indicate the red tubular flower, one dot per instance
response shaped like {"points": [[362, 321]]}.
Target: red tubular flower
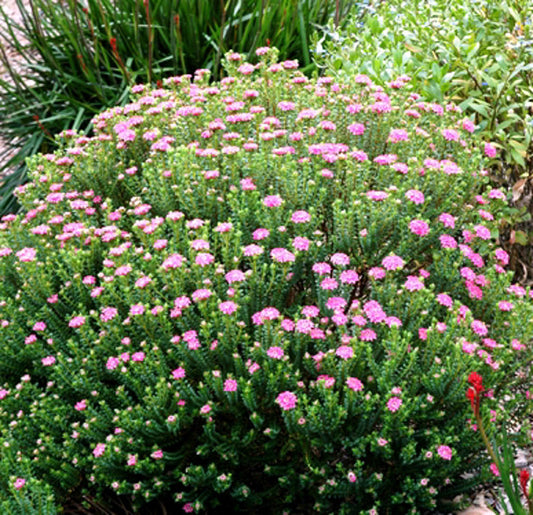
{"points": [[474, 392], [524, 480], [476, 381], [471, 395]]}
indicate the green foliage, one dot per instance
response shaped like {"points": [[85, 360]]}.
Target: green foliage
{"points": [[262, 294], [477, 53], [78, 58]]}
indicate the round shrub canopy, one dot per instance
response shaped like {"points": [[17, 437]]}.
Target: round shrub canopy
{"points": [[261, 294]]}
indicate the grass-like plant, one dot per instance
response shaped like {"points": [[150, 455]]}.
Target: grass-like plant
{"points": [[79, 57]]}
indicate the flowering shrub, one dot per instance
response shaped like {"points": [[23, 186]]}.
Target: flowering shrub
{"points": [[265, 292]]}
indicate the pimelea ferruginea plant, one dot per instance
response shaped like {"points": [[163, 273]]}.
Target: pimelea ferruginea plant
{"points": [[516, 485], [258, 294]]}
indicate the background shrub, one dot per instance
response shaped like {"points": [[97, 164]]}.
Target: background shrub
{"points": [[261, 294], [478, 54], [80, 57]]}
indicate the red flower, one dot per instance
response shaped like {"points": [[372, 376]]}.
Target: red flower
{"points": [[476, 381], [524, 480], [474, 392], [471, 394]]}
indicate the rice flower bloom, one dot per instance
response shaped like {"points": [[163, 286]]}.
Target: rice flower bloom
{"points": [[275, 352], [27, 254], [415, 196], [394, 404], [19, 483], [99, 450], [228, 308], [272, 201], [490, 150], [354, 384], [230, 385], [178, 373], [393, 262], [281, 255], [300, 217], [344, 352], [419, 227], [286, 400], [76, 322], [444, 452]]}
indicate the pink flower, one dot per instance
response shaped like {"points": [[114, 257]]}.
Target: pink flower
{"points": [[356, 129], [230, 385], [99, 450], [76, 322], [490, 150], [397, 135], [228, 308], [479, 328], [81, 405], [419, 227], [340, 259], [179, 373], [201, 294], [413, 283], [377, 272], [349, 277], [328, 380], [275, 352], [138, 356], [157, 455], [377, 195], [108, 314], [352, 478], [19, 483], [252, 250], [447, 220], [137, 309], [301, 243], [415, 196], [469, 125], [505, 305], [354, 384], [344, 352], [272, 201], [299, 217], [235, 276], [172, 261], [444, 452], [132, 460], [112, 363], [444, 300], [287, 400], [39, 326], [205, 409], [482, 232], [382, 442], [321, 268], [27, 254], [374, 311], [447, 241], [394, 404], [203, 259], [281, 255], [392, 262], [260, 234], [48, 361], [368, 335]]}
